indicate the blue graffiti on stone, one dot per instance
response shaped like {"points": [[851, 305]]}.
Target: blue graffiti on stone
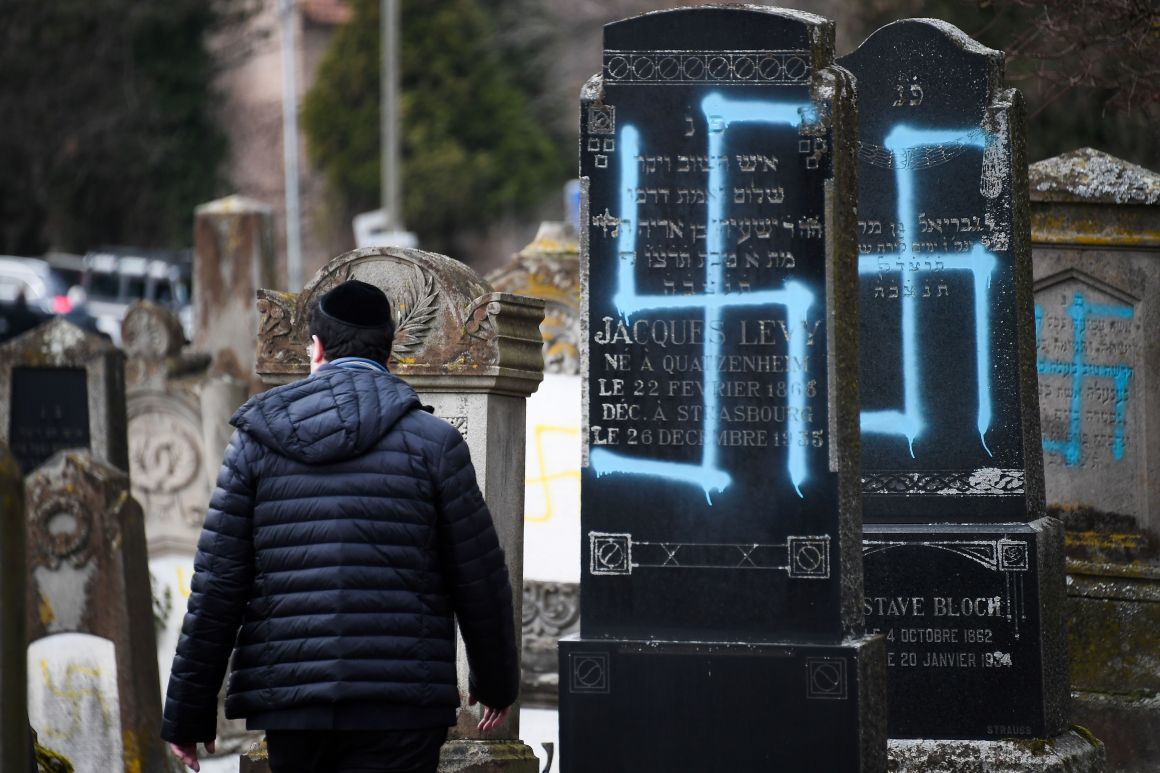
{"points": [[910, 422], [1079, 369], [720, 113]]}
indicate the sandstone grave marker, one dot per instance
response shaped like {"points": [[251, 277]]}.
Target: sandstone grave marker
{"points": [[92, 659]]}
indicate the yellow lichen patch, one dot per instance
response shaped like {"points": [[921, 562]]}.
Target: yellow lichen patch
{"points": [[132, 755], [45, 612], [1103, 539]]}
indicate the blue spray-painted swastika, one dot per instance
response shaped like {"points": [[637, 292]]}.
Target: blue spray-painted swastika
{"points": [[1078, 369], [720, 113], [910, 422]]}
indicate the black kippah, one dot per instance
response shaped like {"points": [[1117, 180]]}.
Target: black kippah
{"points": [[357, 304]]}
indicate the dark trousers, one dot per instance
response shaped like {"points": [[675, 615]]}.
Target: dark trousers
{"points": [[355, 751]]}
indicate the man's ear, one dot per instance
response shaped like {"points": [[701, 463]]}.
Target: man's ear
{"points": [[317, 351]]}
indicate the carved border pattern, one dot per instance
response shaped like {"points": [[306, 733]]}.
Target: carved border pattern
{"points": [[551, 609], [679, 67], [946, 483]]}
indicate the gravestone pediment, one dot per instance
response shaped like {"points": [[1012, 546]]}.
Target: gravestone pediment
{"points": [[449, 322], [1070, 275], [62, 387]]}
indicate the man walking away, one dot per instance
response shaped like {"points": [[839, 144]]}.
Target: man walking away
{"points": [[345, 529]]}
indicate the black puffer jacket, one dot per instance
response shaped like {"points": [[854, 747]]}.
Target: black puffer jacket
{"points": [[345, 529]]}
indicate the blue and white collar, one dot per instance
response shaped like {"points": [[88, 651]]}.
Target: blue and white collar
{"points": [[358, 363]]}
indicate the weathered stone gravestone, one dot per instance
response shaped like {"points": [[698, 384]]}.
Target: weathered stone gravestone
{"points": [[92, 671], [721, 586], [472, 354], [964, 574], [178, 415], [1095, 223], [62, 387], [14, 740], [1096, 234], [234, 256], [549, 269]]}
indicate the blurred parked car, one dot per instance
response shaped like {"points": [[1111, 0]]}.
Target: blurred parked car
{"points": [[114, 279], [30, 293]]}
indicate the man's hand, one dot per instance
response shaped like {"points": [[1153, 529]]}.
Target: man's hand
{"points": [[492, 718], [187, 753]]}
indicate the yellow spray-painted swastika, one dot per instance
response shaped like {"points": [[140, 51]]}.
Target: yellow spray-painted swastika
{"points": [[73, 693], [183, 583], [545, 479]]}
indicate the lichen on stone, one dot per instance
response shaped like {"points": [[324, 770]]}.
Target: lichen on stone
{"points": [[1093, 176]]}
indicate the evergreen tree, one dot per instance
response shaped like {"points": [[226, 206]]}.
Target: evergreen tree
{"points": [[471, 149], [108, 133]]}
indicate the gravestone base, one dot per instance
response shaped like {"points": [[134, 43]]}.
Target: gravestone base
{"points": [[1128, 725], [973, 620], [468, 756], [1113, 637], [668, 706], [1069, 752]]}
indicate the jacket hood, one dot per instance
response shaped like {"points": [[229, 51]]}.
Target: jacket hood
{"points": [[334, 414]]}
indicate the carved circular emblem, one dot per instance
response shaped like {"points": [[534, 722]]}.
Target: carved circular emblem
{"points": [[63, 526], [809, 557], [164, 453], [150, 331], [669, 67]]}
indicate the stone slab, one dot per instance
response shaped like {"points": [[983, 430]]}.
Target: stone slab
{"points": [[88, 575], [945, 292], [1096, 310], [973, 617], [74, 701], [1128, 726], [718, 477], [672, 706], [1070, 752]]}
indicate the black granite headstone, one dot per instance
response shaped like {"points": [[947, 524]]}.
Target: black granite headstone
{"points": [[719, 505], [948, 384], [963, 574], [711, 489], [50, 413]]}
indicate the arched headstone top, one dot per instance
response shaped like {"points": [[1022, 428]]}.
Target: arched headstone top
{"points": [[714, 28], [448, 320], [894, 67], [151, 331], [428, 293]]}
